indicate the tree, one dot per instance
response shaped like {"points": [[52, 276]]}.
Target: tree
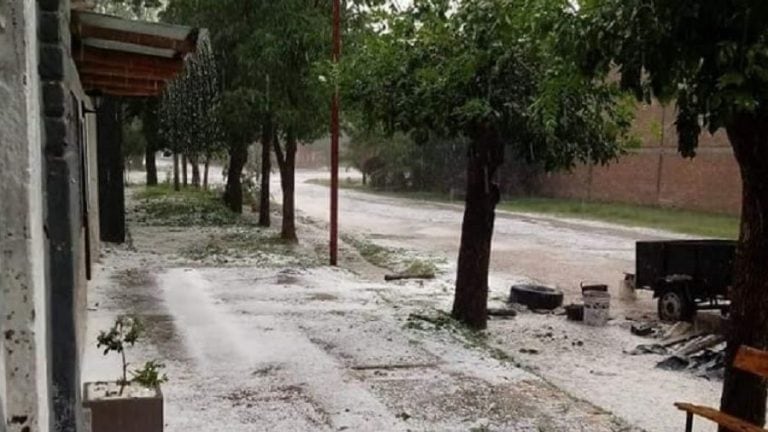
{"points": [[284, 54], [235, 108], [267, 136], [151, 129], [231, 24], [487, 71], [711, 58]]}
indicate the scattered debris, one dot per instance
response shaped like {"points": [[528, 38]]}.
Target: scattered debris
{"points": [[680, 339], [395, 277], [403, 415], [648, 349], [646, 329], [687, 349], [601, 373], [502, 313], [575, 312], [680, 328], [674, 363], [697, 344]]}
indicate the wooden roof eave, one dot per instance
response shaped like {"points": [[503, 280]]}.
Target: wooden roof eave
{"points": [[182, 46]]}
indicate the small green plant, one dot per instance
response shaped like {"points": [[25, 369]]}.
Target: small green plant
{"points": [[124, 333], [149, 376]]}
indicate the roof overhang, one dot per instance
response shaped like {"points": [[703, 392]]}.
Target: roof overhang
{"points": [[121, 57]]}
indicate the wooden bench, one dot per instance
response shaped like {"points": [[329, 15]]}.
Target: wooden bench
{"points": [[749, 360]]}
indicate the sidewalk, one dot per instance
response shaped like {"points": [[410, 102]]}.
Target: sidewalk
{"points": [[304, 347]]}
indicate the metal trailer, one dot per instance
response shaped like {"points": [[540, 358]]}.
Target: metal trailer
{"points": [[685, 275]]}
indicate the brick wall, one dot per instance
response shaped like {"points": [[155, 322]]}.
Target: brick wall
{"points": [[655, 174]]}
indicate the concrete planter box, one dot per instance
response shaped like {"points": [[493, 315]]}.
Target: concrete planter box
{"points": [[138, 410]]}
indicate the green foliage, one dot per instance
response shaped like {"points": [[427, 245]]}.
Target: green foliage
{"points": [[254, 246], [271, 54], [375, 254], [395, 259], [674, 220], [710, 57], [420, 268], [149, 375], [396, 162], [237, 112], [161, 205], [442, 69], [123, 333]]}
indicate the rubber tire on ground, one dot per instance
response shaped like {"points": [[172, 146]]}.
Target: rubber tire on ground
{"points": [[687, 307], [536, 296]]}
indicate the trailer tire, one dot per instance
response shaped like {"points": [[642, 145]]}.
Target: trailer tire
{"points": [[536, 296], [675, 305]]}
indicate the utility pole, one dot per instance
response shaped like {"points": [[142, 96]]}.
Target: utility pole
{"points": [[335, 138]]}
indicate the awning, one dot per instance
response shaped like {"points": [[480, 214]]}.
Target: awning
{"points": [[122, 57]]}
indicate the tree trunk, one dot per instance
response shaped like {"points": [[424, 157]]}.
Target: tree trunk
{"points": [[184, 169], [744, 394], [364, 178], [176, 185], [470, 304], [151, 166], [195, 171], [205, 171], [267, 137], [233, 194], [287, 163]]}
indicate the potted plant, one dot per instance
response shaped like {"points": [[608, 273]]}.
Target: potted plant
{"points": [[126, 405]]}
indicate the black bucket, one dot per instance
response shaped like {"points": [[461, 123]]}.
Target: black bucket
{"points": [[575, 312], [593, 287]]}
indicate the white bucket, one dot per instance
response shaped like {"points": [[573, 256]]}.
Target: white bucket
{"points": [[596, 307]]}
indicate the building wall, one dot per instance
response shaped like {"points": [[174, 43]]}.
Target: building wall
{"points": [[65, 204], [655, 174], [92, 173], [23, 316]]}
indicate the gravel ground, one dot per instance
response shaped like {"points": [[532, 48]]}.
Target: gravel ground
{"points": [[256, 341]]}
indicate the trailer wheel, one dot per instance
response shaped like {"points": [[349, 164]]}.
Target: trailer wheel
{"points": [[675, 305]]}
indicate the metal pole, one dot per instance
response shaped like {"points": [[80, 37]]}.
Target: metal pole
{"points": [[335, 138]]}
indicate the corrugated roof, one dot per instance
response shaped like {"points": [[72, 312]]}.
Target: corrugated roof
{"points": [[125, 57]]}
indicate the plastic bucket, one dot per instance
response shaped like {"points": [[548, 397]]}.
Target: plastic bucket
{"points": [[596, 307]]}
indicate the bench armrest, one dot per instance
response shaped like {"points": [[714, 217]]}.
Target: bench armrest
{"points": [[721, 418]]}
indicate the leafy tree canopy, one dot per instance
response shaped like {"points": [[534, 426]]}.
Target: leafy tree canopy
{"points": [[711, 56], [454, 68], [275, 50]]}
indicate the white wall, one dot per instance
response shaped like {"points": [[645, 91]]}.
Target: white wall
{"points": [[23, 373]]}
